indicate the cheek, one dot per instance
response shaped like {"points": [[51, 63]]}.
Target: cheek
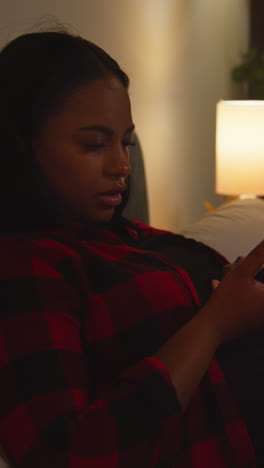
{"points": [[70, 171]]}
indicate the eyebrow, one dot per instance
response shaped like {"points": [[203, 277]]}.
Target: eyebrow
{"points": [[105, 130]]}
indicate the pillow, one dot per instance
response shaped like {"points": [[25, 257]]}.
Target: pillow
{"points": [[233, 229]]}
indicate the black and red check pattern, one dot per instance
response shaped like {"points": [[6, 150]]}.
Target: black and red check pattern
{"points": [[81, 318]]}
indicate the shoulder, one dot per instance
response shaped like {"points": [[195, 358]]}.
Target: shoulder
{"points": [[146, 231], [32, 253], [39, 273]]}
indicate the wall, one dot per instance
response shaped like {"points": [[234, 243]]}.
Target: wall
{"points": [[178, 54]]}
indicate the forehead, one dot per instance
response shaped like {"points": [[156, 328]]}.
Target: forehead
{"points": [[103, 101]]}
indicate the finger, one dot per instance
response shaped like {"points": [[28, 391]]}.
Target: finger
{"points": [[253, 262], [227, 269], [239, 259], [215, 284], [233, 265]]}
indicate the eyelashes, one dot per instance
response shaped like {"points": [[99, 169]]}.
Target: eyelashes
{"points": [[98, 146]]}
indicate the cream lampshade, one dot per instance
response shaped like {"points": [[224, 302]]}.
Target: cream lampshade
{"points": [[240, 147]]}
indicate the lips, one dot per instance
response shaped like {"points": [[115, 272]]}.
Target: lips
{"points": [[114, 191], [111, 198]]}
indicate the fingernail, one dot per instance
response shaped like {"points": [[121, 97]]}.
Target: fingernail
{"points": [[215, 283]]}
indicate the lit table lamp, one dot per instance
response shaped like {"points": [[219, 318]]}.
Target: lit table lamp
{"points": [[240, 148]]}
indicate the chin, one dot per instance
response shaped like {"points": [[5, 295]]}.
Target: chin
{"points": [[98, 218]]}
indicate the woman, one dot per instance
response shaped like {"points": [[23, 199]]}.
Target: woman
{"points": [[106, 354]]}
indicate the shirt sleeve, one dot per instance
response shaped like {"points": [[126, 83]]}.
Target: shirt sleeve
{"points": [[47, 415]]}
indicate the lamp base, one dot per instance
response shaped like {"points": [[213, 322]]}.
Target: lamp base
{"points": [[245, 196], [209, 207]]}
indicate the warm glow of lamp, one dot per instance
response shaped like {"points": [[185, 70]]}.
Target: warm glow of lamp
{"points": [[240, 147]]}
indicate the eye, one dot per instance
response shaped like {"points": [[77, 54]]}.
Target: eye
{"points": [[93, 147], [128, 143]]}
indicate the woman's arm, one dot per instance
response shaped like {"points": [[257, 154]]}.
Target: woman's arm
{"points": [[235, 307], [49, 416], [188, 353]]}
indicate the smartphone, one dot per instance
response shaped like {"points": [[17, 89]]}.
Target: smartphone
{"points": [[260, 276]]}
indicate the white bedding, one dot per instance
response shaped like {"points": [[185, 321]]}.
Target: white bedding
{"points": [[233, 229]]}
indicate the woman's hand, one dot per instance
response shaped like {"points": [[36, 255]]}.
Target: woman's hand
{"points": [[237, 303], [226, 270], [235, 307]]}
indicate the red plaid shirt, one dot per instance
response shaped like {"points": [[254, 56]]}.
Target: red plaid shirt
{"points": [[82, 315]]}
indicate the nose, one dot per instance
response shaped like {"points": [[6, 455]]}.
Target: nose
{"points": [[117, 162]]}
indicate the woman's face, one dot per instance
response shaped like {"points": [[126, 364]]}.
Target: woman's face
{"points": [[83, 150]]}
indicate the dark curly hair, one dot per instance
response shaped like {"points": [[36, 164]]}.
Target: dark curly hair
{"points": [[37, 71]]}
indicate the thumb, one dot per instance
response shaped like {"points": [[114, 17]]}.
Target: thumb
{"points": [[253, 262]]}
